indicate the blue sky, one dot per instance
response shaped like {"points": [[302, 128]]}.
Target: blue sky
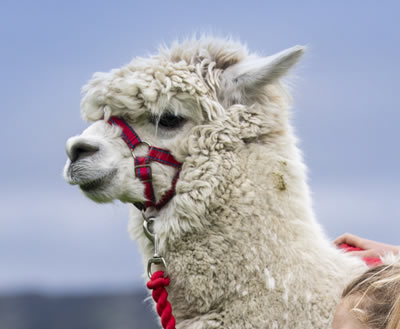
{"points": [[346, 113]]}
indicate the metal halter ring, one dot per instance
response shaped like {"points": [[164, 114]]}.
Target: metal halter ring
{"points": [[148, 223], [133, 151], [157, 259]]}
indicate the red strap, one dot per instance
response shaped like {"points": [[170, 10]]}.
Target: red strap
{"points": [[128, 134], [169, 194], [143, 172], [160, 295], [371, 261], [163, 156]]}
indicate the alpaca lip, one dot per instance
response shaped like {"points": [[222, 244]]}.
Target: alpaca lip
{"points": [[98, 182]]}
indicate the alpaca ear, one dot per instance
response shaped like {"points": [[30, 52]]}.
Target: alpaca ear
{"points": [[242, 82]]}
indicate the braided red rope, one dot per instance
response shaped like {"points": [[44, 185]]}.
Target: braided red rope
{"points": [[160, 295]]}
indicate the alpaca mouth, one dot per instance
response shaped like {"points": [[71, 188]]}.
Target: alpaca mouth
{"points": [[98, 182]]}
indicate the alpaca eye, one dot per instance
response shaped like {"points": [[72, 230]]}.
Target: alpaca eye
{"points": [[168, 121]]}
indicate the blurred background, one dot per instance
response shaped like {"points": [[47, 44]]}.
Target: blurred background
{"points": [[66, 262]]}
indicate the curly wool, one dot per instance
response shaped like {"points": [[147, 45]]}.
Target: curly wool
{"points": [[138, 86], [240, 238]]}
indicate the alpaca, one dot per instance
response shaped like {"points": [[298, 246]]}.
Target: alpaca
{"points": [[242, 246]]}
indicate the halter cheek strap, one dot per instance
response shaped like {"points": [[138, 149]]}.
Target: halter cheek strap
{"points": [[142, 163]]}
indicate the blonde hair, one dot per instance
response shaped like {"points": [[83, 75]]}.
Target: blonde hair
{"points": [[377, 297]]}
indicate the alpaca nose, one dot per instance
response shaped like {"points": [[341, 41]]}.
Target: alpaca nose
{"points": [[78, 149]]}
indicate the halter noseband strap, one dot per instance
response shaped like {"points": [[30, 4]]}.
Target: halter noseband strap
{"points": [[142, 164]]}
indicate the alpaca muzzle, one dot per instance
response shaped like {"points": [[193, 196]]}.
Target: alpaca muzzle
{"points": [[142, 165]]}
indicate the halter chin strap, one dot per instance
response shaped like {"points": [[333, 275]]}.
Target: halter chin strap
{"points": [[142, 164]]}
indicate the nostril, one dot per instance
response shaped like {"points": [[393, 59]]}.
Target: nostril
{"points": [[80, 150]]}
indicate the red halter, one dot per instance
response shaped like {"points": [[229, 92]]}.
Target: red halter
{"points": [[142, 164]]}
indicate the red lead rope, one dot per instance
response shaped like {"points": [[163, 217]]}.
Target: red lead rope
{"points": [[160, 295]]}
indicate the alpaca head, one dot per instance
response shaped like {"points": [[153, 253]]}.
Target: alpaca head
{"points": [[175, 100]]}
